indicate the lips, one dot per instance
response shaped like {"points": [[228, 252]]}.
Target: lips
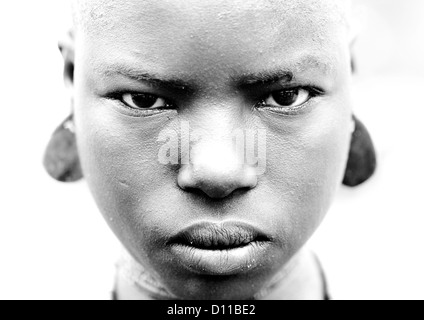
{"points": [[219, 249], [218, 237]]}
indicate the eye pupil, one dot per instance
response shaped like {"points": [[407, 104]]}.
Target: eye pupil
{"points": [[144, 100], [286, 97]]}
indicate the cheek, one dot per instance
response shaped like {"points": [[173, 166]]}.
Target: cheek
{"points": [[305, 168], [119, 156]]}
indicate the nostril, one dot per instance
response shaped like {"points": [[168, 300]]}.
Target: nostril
{"points": [[186, 179], [217, 192], [194, 183], [195, 191], [216, 184], [213, 194]]}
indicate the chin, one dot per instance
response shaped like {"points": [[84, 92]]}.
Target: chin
{"points": [[236, 287]]}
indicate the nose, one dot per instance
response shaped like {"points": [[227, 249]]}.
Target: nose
{"points": [[217, 170]]}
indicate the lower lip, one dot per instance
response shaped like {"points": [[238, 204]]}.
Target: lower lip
{"points": [[221, 262]]}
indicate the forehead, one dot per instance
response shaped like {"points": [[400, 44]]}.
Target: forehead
{"points": [[160, 31], [108, 13], [101, 9]]}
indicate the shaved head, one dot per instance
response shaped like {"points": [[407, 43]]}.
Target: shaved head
{"points": [[88, 13]]}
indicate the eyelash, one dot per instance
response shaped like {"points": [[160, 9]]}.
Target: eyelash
{"points": [[312, 91], [119, 97]]}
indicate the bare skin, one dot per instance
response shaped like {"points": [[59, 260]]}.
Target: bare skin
{"points": [[219, 66]]}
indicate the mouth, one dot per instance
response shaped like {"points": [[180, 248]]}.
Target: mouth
{"points": [[219, 249]]}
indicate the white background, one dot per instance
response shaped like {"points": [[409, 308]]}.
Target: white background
{"points": [[55, 245]]}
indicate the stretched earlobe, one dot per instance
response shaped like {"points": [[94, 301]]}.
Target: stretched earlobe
{"points": [[362, 160], [61, 159]]}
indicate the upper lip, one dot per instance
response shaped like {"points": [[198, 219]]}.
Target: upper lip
{"points": [[218, 236]]}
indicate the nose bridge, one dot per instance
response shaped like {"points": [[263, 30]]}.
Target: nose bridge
{"points": [[214, 127], [216, 163], [218, 116]]}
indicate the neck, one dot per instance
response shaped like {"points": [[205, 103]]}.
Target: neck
{"points": [[300, 279]]}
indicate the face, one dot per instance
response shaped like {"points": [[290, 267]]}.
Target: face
{"points": [[209, 225]]}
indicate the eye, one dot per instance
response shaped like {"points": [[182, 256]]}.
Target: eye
{"points": [[289, 98], [143, 101]]}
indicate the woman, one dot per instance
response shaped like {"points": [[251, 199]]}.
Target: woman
{"points": [[213, 137]]}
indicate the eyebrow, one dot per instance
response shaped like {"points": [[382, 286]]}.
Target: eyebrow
{"points": [[264, 78], [307, 62], [172, 84], [246, 80]]}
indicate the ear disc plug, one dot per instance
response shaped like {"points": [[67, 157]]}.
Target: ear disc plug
{"points": [[61, 159], [362, 161]]}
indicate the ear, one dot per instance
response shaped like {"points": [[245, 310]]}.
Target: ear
{"points": [[67, 48], [355, 23], [61, 159], [352, 56]]}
